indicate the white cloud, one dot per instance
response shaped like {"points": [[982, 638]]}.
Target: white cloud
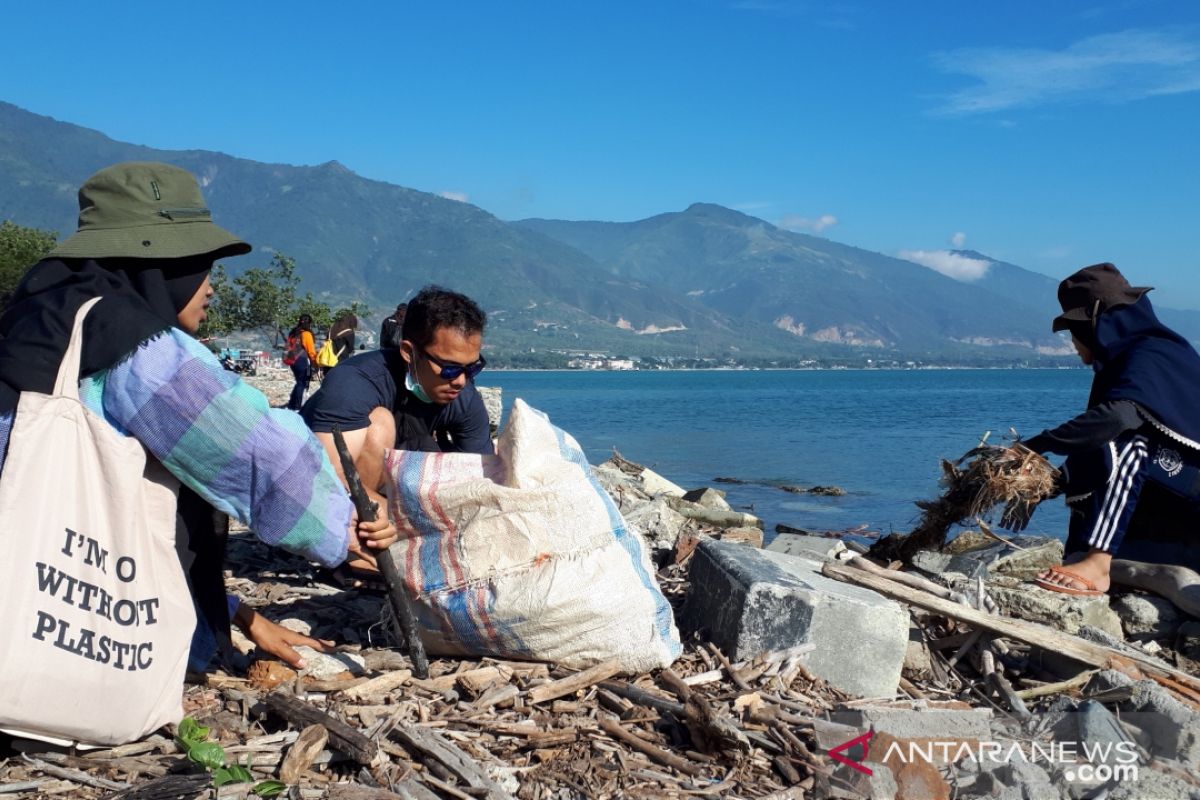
{"points": [[461, 197], [958, 240], [795, 222], [949, 264], [1112, 67]]}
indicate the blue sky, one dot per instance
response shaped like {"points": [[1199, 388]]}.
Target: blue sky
{"points": [[1052, 135]]}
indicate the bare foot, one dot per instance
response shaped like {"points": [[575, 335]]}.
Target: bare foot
{"points": [[1094, 567]]}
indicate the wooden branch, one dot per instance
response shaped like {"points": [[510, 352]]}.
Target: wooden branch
{"points": [[168, 787], [434, 749], [573, 683], [303, 753], [1057, 688], [643, 697], [1090, 653], [342, 737], [73, 775], [615, 730]]}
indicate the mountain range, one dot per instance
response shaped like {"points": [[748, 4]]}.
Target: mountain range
{"points": [[707, 282]]}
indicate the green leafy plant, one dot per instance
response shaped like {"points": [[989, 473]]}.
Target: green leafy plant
{"points": [[192, 737]]}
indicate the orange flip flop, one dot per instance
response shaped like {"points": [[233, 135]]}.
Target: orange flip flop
{"points": [[1090, 591]]}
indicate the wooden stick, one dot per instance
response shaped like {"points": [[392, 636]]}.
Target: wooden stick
{"points": [[573, 683], [168, 787], [73, 775], [383, 684], [401, 606], [614, 730], [342, 737], [1057, 688], [435, 749], [1039, 635], [643, 697]]}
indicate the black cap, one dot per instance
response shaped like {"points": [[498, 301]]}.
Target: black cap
{"points": [[1091, 291]]}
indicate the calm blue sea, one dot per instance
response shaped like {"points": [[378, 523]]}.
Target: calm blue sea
{"points": [[877, 434]]}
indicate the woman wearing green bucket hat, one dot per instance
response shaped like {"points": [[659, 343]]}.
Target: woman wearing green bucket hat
{"points": [[144, 247]]}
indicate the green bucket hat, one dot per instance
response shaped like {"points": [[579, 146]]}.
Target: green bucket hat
{"points": [[144, 209]]}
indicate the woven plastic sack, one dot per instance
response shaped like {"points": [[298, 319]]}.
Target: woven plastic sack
{"points": [[524, 555]]}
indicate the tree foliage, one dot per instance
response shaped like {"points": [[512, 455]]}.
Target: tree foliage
{"points": [[20, 249], [266, 300]]}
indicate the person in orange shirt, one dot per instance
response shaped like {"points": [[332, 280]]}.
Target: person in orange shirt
{"points": [[302, 366]]}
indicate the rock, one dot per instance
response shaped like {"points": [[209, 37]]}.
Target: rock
{"points": [[1097, 726], [1063, 611], [989, 558], [1147, 616], [329, 666], [827, 491], [816, 548], [1188, 642], [1173, 728], [750, 536], [712, 516], [709, 498], [879, 785], [918, 663], [658, 523], [654, 484], [1152, 783], [493, 402], [752, 601], [624, 490]]}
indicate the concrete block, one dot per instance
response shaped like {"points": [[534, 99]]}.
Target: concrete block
{"points": [[816, 548], [751, 601]]}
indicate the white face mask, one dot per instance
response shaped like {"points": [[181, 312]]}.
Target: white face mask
{"points": [[414, 386]]}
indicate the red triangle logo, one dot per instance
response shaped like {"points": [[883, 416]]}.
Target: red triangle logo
{"points": [[836, 752]]}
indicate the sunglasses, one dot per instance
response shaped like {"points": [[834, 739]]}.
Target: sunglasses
{"points": [[448, 370]]}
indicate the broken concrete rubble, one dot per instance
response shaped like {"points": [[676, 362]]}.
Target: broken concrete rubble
{"points": [[1066, 612], [979, 556], [1147, 616], [817, 548]]}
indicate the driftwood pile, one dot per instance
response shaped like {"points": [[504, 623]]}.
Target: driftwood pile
{"points": [[486, 728], [986, 477]]}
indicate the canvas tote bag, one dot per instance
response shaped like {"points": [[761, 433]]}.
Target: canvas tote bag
{"points": [[96, 610]]}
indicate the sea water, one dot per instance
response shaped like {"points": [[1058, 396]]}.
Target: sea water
{"points": [[878, 434]]}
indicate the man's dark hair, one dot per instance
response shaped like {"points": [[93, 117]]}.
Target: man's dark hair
{"points": [[435, 307]]}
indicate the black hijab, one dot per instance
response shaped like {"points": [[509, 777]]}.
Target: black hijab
{"points": [[141, 299]]}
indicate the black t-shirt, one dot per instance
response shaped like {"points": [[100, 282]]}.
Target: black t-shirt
{"points": [[375, 379]]}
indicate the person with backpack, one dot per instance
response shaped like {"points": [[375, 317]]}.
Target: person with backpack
{"points": [[124, 448], [391, 329], [301, 356], [341, 333], [338, 345]]}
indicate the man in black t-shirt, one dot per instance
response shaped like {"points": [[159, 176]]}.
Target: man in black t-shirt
{"points": [[418, 396]]}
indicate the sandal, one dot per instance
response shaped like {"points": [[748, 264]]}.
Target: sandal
{"points": [[1090, 589]]}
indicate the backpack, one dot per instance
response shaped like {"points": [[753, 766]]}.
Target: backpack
{"points": [[325, 356], [294, 349]]}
